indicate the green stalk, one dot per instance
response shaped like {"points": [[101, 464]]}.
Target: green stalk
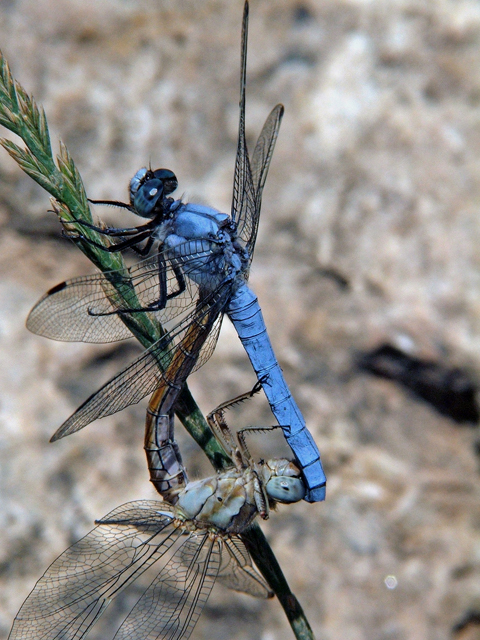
{"points": [[60, 178]]}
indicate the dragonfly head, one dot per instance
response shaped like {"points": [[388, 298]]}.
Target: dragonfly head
{"points": [[149, 189], [284, 481]]}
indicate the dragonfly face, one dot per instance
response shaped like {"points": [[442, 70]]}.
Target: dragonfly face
{"points": [[148, 191], [283, 482]]}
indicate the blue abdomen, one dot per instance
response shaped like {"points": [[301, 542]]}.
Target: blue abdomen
{"points": [[246, 315]]}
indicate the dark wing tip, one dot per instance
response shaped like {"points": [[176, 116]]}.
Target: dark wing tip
{"points": [[56, 436], [65, 429], [56, 288]]}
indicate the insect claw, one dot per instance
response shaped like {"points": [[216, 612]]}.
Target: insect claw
{"points": [[72, 235]]}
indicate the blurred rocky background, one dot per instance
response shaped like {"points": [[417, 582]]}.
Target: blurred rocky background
{"points": [[367, 268]]}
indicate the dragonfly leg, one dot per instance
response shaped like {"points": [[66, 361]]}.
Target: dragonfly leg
{"points": [[180, 281], [145, 250], [241, 433], [220, 428], [113, 203], [110, 231], [155, 306], [218, 424], [161, 303], [114, 231], [260, 497], [113, 248], [243, 396]]}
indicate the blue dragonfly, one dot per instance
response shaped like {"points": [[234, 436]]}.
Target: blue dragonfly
{"points": [[190, 540], [203, 262]]}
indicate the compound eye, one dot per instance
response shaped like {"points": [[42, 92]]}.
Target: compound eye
{"points": [[147, 196], [285, 489], [169, 179], [137, 180]]}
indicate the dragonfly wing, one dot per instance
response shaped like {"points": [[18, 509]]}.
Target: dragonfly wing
{"points": [[149, 370], [172, 604], [261, 159], [262, 154], [208, 347], [237, 572], [86, 309], [243, 200], [78, 586], [63, 312], [249, 179]]}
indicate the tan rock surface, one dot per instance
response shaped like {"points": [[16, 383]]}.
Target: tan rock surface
{"points": [[370, 235]]}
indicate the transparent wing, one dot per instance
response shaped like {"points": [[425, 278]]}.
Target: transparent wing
{"points": [[172, 604], [78, 586], [261, 159], [169, 361], [73, 310], [236, 571], [243, 200], [249, 179]]}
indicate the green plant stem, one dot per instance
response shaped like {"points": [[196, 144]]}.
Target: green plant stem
{"points": [[267, 563], [20, 114]]}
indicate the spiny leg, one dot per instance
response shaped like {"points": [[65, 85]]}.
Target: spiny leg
{"points": [[161, 302], [116, 231], [241, 433], [119, 246], [177, 270], [218, 424], [243, 396], [112, 231]]}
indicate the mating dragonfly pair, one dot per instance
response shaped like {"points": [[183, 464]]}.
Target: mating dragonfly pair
{"points": [[199, 273]]}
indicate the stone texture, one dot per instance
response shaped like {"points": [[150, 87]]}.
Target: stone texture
{"points": [[369, 236]]}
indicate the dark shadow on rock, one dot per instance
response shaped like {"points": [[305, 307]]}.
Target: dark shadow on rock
{"points": [[470, 619], [449, 390]]}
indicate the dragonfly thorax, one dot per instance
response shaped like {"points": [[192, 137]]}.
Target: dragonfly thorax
{"points": [[149, 190], [226, 501]]}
